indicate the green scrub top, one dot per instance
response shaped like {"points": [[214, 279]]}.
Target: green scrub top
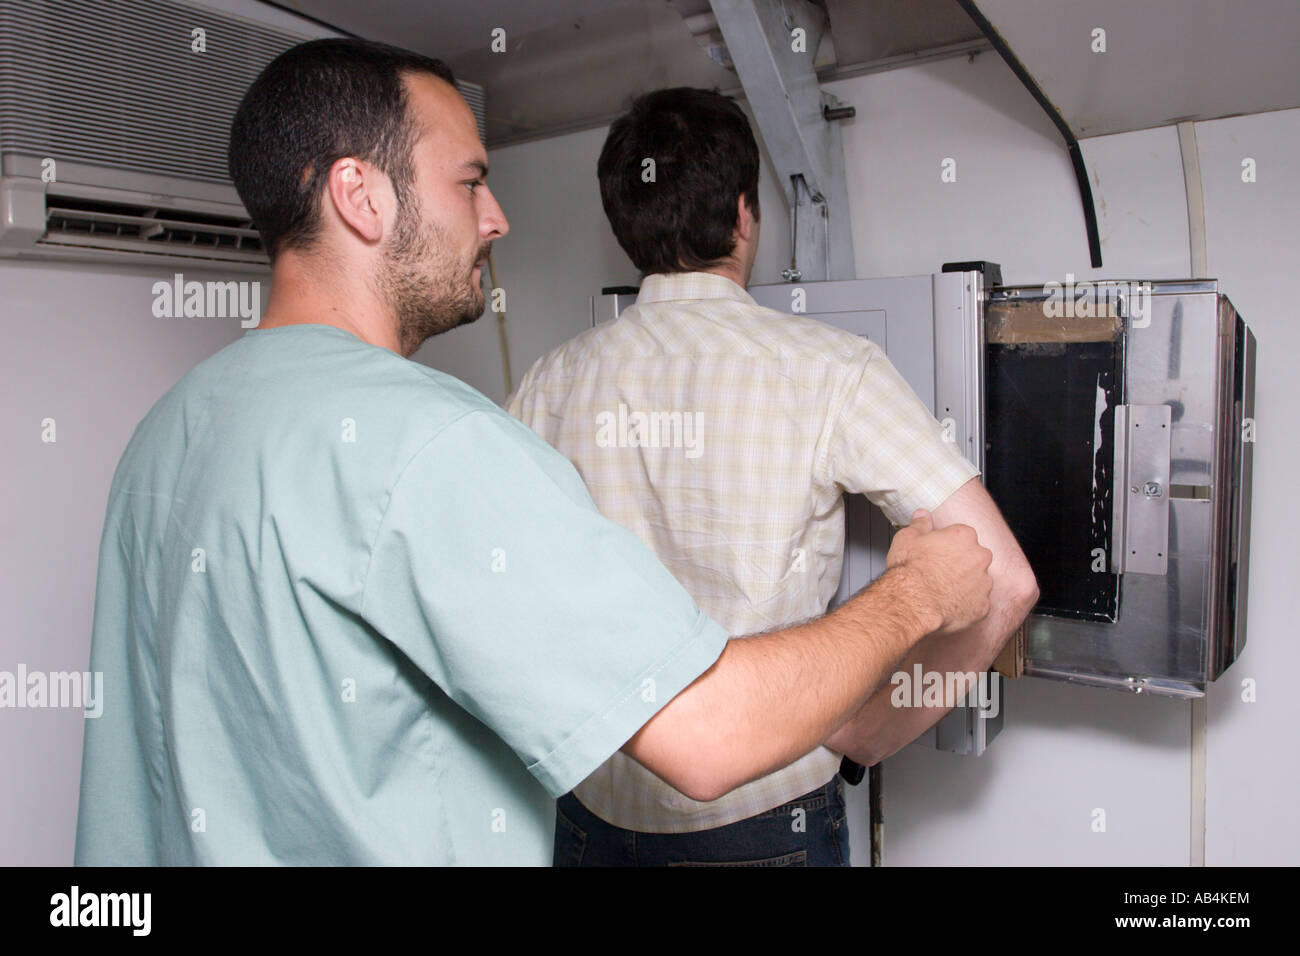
{"points": [[350, 611]]}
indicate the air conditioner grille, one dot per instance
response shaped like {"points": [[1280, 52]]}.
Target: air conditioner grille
{"points": [[115, 83], [86, 223]]}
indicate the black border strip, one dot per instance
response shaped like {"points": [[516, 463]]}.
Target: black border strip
{"points": [[1071, 143]]}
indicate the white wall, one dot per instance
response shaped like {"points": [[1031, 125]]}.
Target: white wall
{"points": [[1252, 244], [82, 347]]}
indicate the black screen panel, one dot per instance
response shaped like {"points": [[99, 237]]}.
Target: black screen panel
{"points": [[1049, 463]]}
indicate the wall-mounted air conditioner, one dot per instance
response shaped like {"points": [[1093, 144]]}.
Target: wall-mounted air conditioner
{"points": [[114, 121]]}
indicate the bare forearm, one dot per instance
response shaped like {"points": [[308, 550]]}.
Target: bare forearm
{"points": [[770, 699], [880, 729]]}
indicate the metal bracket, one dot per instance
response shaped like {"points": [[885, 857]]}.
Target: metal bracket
{"points": [[791, 110], [971, 727], [1140, 537]]}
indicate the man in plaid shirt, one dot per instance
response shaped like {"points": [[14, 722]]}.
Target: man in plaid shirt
{"points": [[724, 435]]}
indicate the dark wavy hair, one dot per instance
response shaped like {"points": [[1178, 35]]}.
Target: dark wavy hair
{"points": [[705, 159], [312, 105]]}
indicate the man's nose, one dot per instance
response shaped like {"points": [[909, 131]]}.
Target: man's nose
{"points": [[493, 224]]}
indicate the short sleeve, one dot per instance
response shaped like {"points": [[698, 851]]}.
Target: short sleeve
{"points": [[885, 444], [495, 574]]}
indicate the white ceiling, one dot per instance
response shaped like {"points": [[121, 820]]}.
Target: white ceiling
{"points": [[573, 64], [576, 63], [1165, 60], [444, 28]]}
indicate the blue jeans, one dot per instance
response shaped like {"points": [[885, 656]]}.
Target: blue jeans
{"points": [[782, 836]]}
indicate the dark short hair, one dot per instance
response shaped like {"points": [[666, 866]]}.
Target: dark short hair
{"points": [[311, 106], [705, 159]]}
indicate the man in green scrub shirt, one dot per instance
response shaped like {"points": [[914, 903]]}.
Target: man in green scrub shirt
{"points": [[350, 611]]}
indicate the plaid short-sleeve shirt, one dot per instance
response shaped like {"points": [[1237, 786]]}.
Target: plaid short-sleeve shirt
{"points": [[724, 434]]}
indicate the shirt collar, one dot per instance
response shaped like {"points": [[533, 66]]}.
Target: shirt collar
{"points": [[682, 286]]}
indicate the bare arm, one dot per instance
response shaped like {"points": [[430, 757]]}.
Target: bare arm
{"points": [[770, 699], [879, 729]]}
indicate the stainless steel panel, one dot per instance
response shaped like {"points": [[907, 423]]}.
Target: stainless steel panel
{"points": [[971, 728], [959, 360], [1244, 402], [1176, 631], [1232, 466]]}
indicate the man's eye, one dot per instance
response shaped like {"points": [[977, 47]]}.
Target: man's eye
{"points": [[471, 185]]}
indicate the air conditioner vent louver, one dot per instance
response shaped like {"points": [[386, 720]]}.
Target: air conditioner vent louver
{"points": [[72, 221]]}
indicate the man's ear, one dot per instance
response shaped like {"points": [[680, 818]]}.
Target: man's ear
{"points": [[745, 220], [359, 194]]}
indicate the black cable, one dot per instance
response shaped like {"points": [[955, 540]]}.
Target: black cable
{"points": [[1071, 143], [876, 814], [316, 20]]}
